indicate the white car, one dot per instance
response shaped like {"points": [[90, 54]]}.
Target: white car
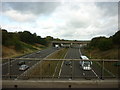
{"points": [[23, 67], [85, 63]]}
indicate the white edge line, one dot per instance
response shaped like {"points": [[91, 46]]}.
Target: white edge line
{"points": [[52, 53], [62, 66], [34, 65], [28, 69], [95, 74], [55, 69], [106, 70]]}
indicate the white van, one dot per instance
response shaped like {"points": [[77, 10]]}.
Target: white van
{"points": [[85, 63]]}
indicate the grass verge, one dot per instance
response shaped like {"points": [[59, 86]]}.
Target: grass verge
{"points": [[48, 68], [109, 67]]}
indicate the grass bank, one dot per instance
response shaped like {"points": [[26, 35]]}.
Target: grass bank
{"points": [[110, 68], [11, 52]]}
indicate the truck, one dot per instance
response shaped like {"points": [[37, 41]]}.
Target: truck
{"points": [[85, 63]]}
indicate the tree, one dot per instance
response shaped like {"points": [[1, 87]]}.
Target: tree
{"points": [[116, 38], [105, 44]]}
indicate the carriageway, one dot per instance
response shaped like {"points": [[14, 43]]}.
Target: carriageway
{"points": [[54, 73]]}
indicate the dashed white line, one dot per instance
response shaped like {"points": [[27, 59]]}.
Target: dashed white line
{"points": [[51, 54], [95, 73], [55, 69], [62, 66], [84, 74], [32, 66]]}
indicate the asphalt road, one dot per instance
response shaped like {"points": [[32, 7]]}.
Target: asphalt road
{"points": [[74, 71], [12, 67]]}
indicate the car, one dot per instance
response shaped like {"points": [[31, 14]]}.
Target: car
{"points": [[21, 62], [23, 67], [85, 63], [68, 62]]}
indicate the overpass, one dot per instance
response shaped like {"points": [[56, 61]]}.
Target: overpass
{"points": [[60, 43]]}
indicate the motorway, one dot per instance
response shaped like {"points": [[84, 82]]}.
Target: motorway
{"points": [[74, 71], [68, 72], [13, 70]]}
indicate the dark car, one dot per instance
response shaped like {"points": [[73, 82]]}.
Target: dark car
{"points": [[21, 62], [68, 62]]}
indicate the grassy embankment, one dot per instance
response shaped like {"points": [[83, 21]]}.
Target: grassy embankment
{"points": [[48, 68], [110, 67], [11, 52]]}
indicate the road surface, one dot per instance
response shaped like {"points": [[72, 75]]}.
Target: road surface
{"points": [[14, 67]]}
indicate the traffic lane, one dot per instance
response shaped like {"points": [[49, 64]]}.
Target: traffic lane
{"points": [[70, 70], [80, 73], [77, 71], [100, 72], [66, 70], [6, 69], [11, 65], [39, 54], [42, 53], [14, 71]]}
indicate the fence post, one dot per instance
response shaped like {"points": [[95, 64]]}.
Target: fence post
{"points": [[9, 68], [72, 71], [102, 69], [49, 70]]}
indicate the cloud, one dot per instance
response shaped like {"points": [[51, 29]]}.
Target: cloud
{"points": [[17, 16], [68, 20], [31, 7], [84, 20], [27, 11]]}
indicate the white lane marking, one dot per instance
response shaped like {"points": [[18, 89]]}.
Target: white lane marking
{"points": [[60, 69], [106, 69], [51, 54], [62, 66], [28, 70], [22, 57], [32, 67], [56, 68], [95, 74], [84, 74]]}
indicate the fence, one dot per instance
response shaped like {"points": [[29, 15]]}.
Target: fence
{"points": [[61, 69]]}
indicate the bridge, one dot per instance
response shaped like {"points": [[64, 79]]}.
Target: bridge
{"points": [[60, 43]]}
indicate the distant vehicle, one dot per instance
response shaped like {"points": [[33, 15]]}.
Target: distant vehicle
{"points": [[23, 67], [21, 62], [85, 63], [57, 46], [66, 45], [67, 62]]}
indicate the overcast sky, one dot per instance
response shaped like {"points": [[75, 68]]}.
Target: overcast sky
{"points": [[64, 20]]}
